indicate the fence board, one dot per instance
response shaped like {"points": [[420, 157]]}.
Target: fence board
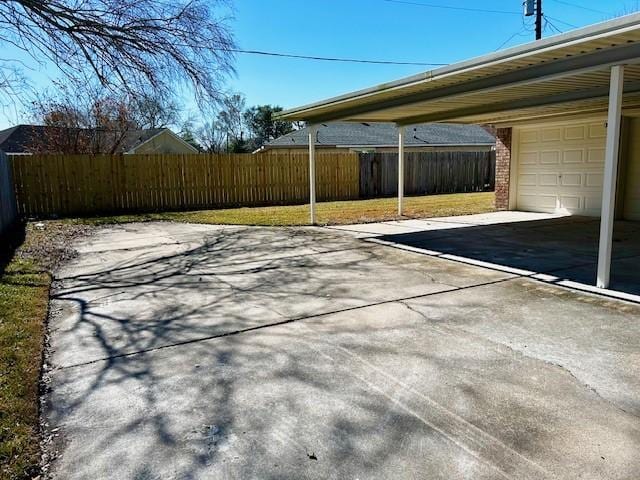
{"points": [[427, 173], [8, 206], [91, 184]]}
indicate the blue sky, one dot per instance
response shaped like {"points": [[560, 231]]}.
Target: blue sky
{"points": [[367, 29]]}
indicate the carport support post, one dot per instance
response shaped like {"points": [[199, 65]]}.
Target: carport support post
{"points": [[401, 138], [313, 130], [616, 88]]}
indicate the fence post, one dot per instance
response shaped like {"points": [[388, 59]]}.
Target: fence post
{"points": [[8, 207]]}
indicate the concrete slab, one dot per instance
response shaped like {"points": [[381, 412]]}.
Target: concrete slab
{"points": [[564, 248], [208, 352]]}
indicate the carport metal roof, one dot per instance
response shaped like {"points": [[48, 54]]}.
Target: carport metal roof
{"points": [[565, 74]]}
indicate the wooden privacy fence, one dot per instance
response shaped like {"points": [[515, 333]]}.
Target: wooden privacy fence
{"points": [[88, 184], [427, 173], [8, 211]]}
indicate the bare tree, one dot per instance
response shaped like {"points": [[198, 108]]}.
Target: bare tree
{"points": [[133, 45], [231, 117], [155, 111], [94, 120], [211, 136]]}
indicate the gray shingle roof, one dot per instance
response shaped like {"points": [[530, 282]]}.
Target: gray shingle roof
{"points": [[345, 134], [23, 138]]}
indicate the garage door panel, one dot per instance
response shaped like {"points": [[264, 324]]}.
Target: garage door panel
{"points": [[528, 180], [597, 130], [550, 157], [548, 179], [594, 180], [571, 180], [560, 168], [551, 134], [529, 136], [570, 203], [593, 204], [595, 155], [575, 133], [529, 158], [573, 155], [542, 203]]}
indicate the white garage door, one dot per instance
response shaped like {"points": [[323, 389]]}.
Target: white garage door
{"points": [[560, 168]]}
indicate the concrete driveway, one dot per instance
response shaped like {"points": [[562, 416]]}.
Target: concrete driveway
{"points": [[189, 351], [562, 249]]}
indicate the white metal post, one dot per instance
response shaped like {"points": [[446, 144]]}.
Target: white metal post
{"points": [[401, 139], [313, 130], [614, 119]]}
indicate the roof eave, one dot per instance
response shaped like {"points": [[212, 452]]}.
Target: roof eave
{"points": [[594, 32]]}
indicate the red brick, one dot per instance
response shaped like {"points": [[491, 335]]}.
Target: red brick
{"points": [[503, 167]]}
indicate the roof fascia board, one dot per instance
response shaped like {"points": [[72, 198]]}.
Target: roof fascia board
{"points": [[598, 92], [593, 115], [596, 113], [161, 132], [628, 53], [619, 26]]}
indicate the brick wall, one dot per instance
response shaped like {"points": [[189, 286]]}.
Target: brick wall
{"points": [[503, 167]]}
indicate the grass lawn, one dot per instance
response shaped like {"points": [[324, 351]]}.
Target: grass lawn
{"points": [[27, 256], [24, 299], [328, 213]]}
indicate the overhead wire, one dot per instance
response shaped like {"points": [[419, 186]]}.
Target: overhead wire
{"points": [[451, 7], [328, 59], [582, 7]]}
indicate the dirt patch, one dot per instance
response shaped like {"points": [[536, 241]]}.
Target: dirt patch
{"points": [[29, 254], [49, 244]]}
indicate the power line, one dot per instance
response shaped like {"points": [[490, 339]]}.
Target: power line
{"points": [[327, 59], [449, 7], [575, 5], [549, 23], [470, 9], [518, 33], [562, 21]]}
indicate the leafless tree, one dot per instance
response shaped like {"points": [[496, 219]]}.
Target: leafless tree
{"points": [[133, 45], [212, 137], [155, 111], [94, 120], [231, 116]]}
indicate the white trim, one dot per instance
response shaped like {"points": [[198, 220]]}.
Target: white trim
{"points": [[402, 133], [313, 130], [164, 130], [599, 31], [566, 119], [609, 183], [513, 169]]}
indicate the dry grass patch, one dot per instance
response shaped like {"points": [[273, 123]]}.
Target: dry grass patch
{"points": [[27, 257], [328, 213]]}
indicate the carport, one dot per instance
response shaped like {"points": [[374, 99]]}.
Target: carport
{"points": [[566, 111]]}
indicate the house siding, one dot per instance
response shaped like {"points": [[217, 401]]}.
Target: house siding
{"points": [[503, 167], [163, 143]]}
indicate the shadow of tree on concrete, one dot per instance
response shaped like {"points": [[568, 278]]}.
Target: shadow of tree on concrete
{"points": [[565, 247], [253, 353]]}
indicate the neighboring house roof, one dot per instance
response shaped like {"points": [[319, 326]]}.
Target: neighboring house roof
{"points": [[345, 134], [23, 138], [563, 74]]}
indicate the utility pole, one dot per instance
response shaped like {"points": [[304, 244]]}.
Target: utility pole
{"points": [[538, 19]]}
